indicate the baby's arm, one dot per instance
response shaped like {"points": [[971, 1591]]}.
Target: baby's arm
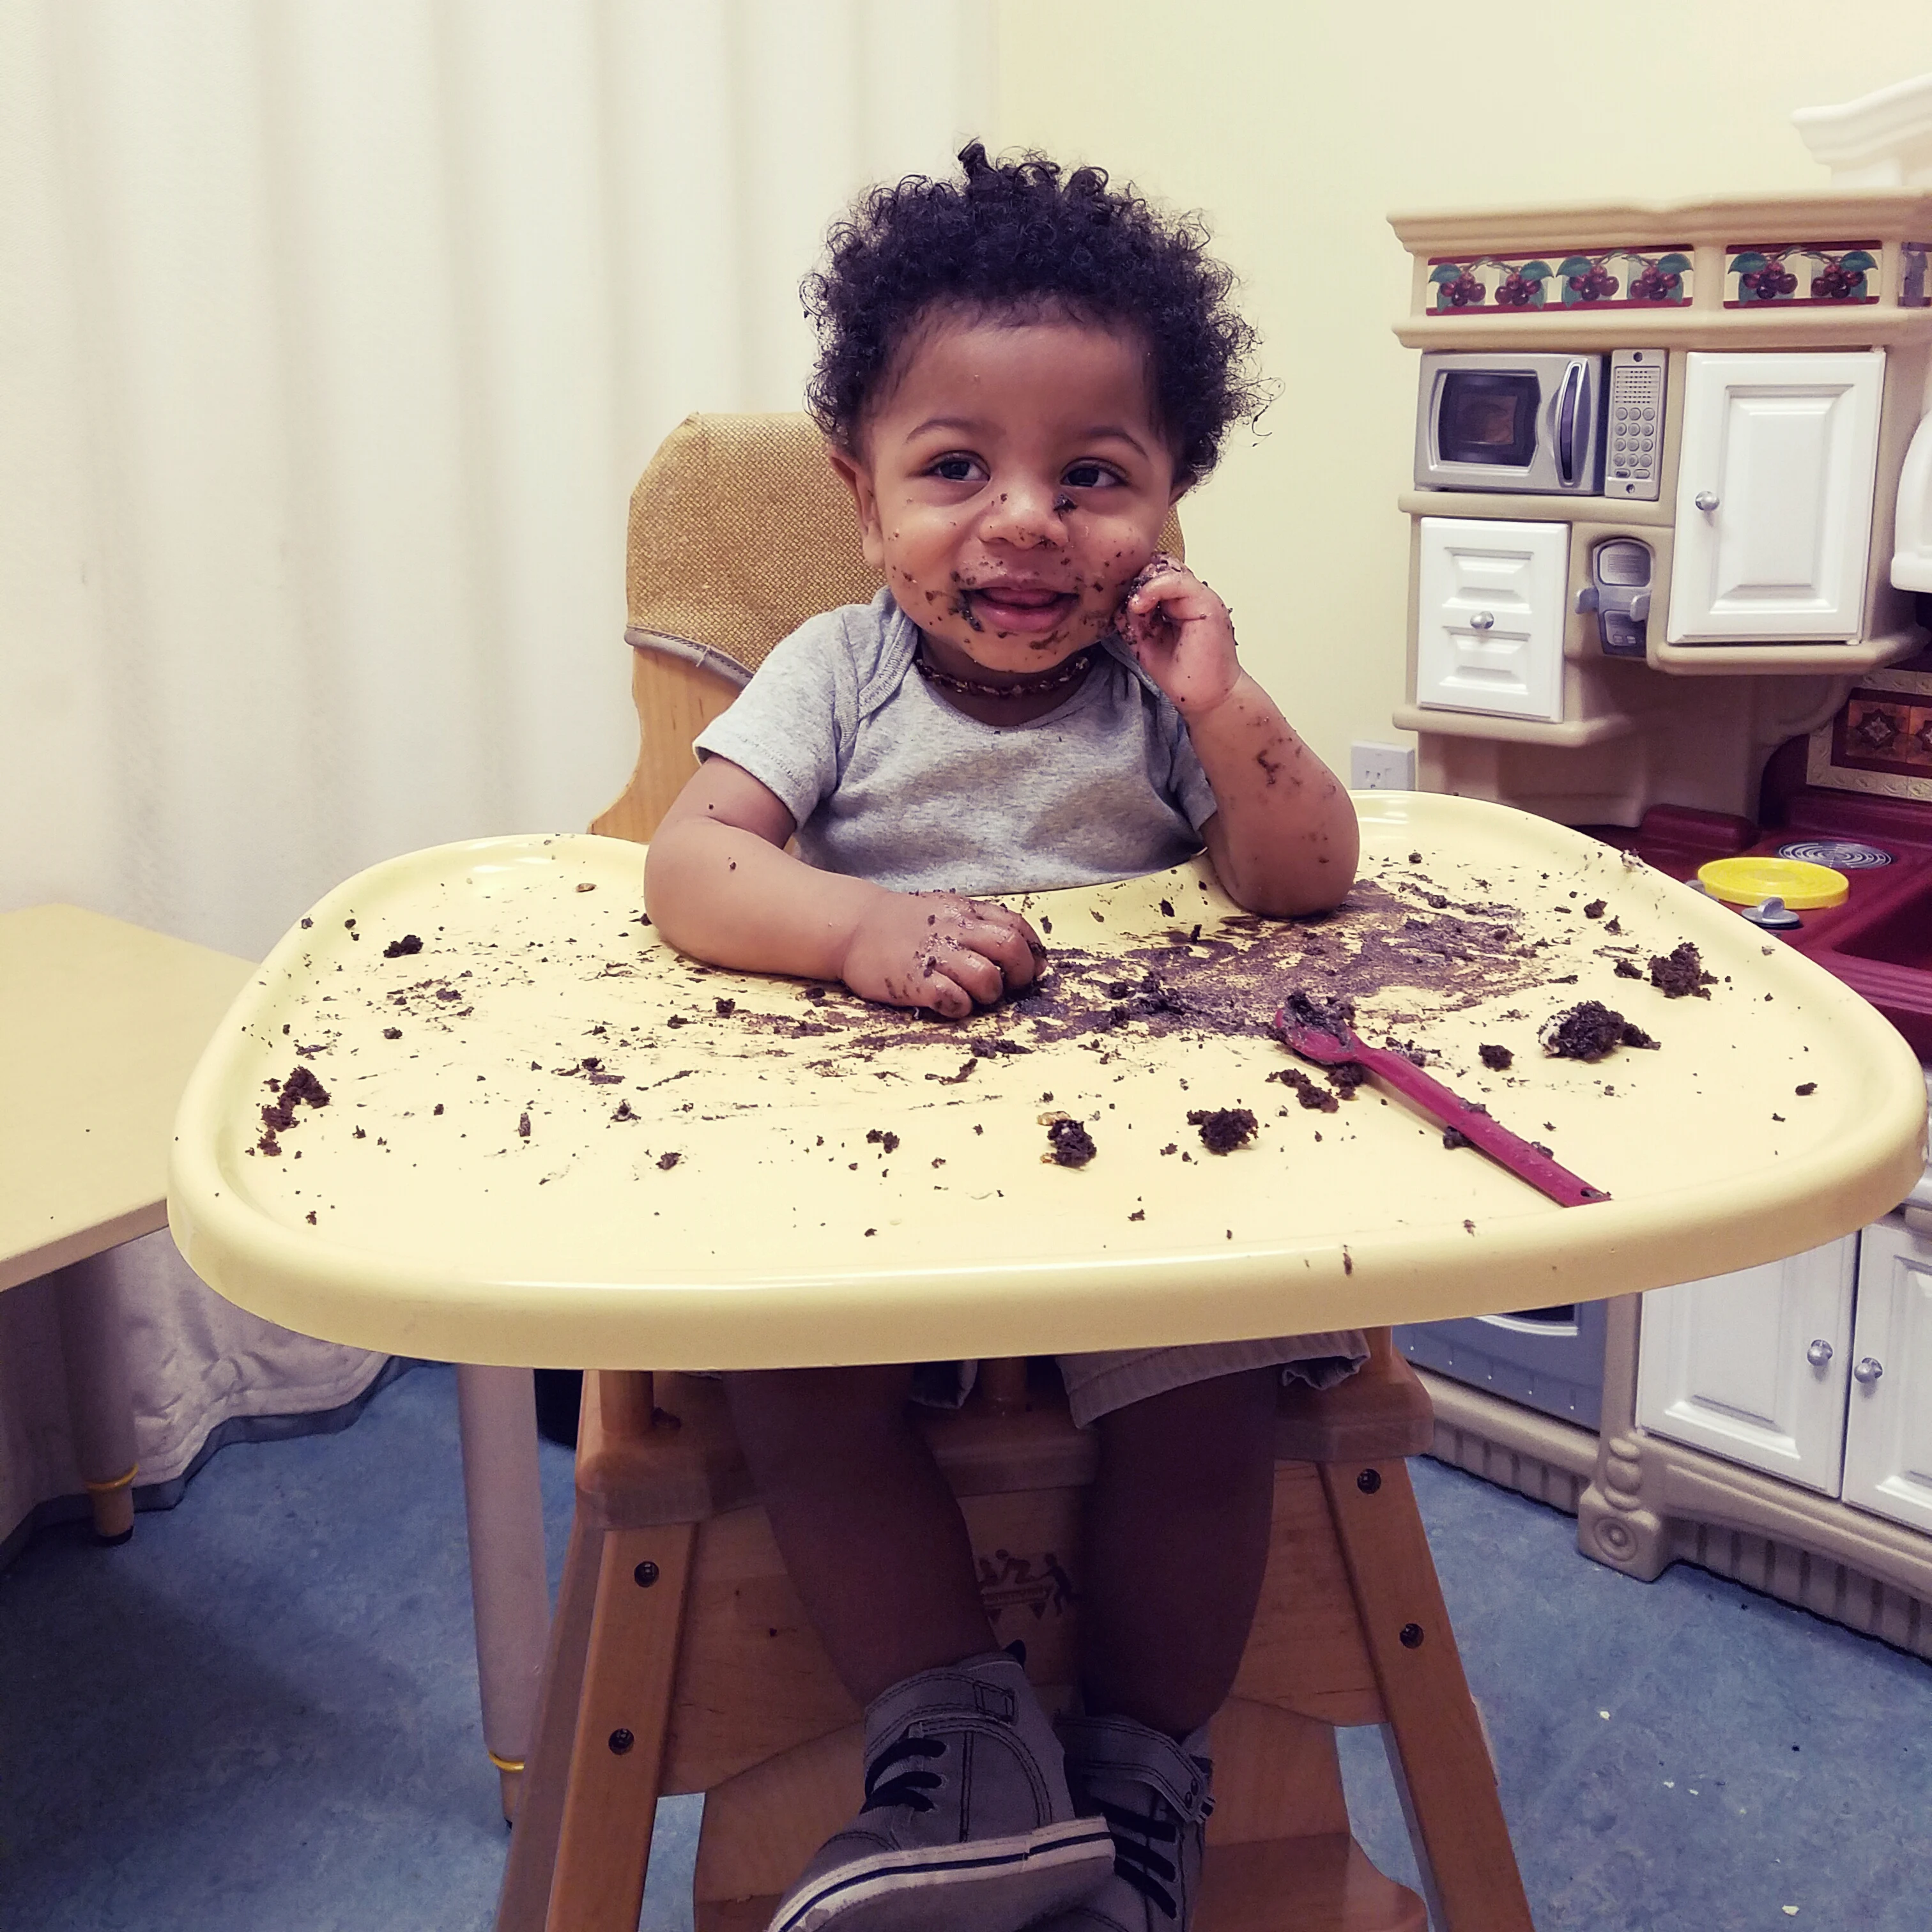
{"points": [[1284, 838], [719, 885]]}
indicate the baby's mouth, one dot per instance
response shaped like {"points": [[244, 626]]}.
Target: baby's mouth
{"points": [[1012, 607]]}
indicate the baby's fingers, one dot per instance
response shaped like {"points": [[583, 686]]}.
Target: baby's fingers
{"points": [[1008, 943]]}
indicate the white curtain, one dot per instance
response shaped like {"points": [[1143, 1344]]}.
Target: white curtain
{"points": [[333, 334]]}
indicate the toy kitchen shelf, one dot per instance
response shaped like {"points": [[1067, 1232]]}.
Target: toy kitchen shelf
{"points": [[1772, 1426], [1795, 337]]}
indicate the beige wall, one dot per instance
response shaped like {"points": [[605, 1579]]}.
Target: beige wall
{"points": [[1298, 127]]}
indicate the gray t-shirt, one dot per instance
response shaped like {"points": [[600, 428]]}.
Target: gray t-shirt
{"points": [[888, 782]]}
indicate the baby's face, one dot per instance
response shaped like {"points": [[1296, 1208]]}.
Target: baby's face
{"points": [[1011, 486]]}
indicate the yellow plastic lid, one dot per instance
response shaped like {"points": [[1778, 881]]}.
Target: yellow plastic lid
{"points": [[1748, 881]]}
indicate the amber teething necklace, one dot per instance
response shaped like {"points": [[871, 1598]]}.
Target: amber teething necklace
{"points": [[1071, 672]]}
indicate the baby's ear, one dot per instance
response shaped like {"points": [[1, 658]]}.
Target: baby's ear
{"points": [[853, 473]]}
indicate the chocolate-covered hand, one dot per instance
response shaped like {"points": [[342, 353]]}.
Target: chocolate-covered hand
{"points": [[940, 950], [1182, 635]]}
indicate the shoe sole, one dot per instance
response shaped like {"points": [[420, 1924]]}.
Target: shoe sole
{"points": [[986, 1885]]}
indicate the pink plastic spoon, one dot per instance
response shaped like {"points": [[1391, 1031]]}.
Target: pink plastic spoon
{"points": [[1322, 1032]]}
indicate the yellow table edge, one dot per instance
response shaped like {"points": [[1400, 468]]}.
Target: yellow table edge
{"points": [[1369, 1280]]}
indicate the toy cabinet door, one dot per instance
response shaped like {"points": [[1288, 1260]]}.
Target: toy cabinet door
{"points": [[1888, 1429], [1753, 1366], [1774, 496], [1489, 616]]}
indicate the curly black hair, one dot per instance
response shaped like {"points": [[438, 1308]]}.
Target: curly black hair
{"points": [[1015, 238]]}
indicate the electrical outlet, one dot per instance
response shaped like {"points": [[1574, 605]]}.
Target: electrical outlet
{"points": [[1382, 767]]}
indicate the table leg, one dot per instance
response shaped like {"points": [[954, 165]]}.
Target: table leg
{"points": [[524, 1903], [101, 1406], [497, 1411]]}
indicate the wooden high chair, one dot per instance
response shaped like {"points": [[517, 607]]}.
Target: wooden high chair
{"points": [[680, 1658]]}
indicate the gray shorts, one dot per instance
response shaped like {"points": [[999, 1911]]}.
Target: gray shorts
{"points": [[1097, 1384]]}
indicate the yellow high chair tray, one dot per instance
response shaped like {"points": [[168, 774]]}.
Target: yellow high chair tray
{"points": [[547, 1138]]}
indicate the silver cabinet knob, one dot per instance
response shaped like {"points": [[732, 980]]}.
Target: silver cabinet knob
{"points": [[1706, 500], [1869, 1369], [1819, 1354], [1483, 620]]}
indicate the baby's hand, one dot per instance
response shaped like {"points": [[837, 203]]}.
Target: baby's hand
{"points": [[941, 950], [1182, 635]]}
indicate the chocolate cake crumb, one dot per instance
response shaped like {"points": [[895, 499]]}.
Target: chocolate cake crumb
{"points": [[1138, 1214], [1613, 925], [1627, 969], [398, 949], [1345, 1078], [392, 1033], [1415, 858], [1594, 909], [437, 1108], [1070, 1144], [307, 923], [1589, 1031], [1166, 909], [624, 1111], [1454, 1137], [523, 1125], [726, 1008], [814, 992], [1681, 972], [1316, 1098], [882, 1137], [356, 1133], [1224, 1129], [1436, 901], [1548, 1153], [1497, 1059], [677, 1020], [1809, 1086], [1171, 1147], [670, 1159], [311, 1217]]}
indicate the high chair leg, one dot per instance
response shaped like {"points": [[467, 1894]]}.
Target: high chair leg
{"points": [[1434, 1737], [617, 1755]]}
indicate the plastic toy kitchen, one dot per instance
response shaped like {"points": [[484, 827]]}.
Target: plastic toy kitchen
{"points": [[1671, 581]]}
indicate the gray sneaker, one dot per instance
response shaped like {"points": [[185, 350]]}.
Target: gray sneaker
{"points": [[1154, 1795], [968, 1825]]}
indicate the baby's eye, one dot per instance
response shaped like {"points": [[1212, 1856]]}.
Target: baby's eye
{"points": [[1089, 476], [957, 469]]}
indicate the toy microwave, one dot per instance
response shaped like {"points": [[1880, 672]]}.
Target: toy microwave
{"points": [[1540, 425]]}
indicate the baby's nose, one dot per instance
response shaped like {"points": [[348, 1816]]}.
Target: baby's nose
{"points": [[1027, 512]]}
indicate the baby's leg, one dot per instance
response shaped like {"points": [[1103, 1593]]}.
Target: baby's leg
{"points": [[870, 1532], [1177, 1540], [967, 1821]]}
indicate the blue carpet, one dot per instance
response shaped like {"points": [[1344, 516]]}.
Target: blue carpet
{"points": [[260, 1716]]}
